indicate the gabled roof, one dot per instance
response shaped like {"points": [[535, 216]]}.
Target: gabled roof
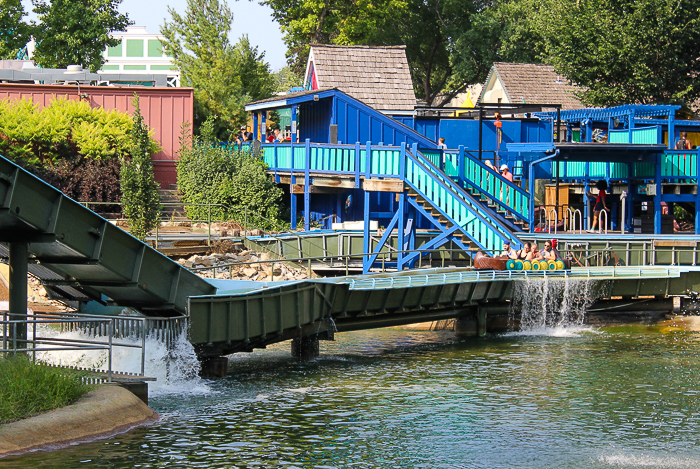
{"points": [[377, 76], [533, 84]]}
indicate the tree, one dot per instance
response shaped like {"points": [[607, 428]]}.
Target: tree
{"points": [[257, 80], [140, 197], [76, 32], [224, 77], [14, 33], [306, 22], [623, 51], [427, 28], [497, 33]]}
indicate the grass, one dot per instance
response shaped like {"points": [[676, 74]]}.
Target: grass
{"points": [[28, 388]]}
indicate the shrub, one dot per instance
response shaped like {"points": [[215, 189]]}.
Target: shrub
{"points": [[86, 180], [209, 173], [70, 145], [28, 388]]}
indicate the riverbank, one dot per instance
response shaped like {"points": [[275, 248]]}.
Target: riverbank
{"points": [[104, 412]]}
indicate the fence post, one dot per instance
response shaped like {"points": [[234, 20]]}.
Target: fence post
{"points": [[208, 224]]}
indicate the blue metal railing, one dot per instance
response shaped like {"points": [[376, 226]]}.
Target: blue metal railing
{"points": [[458, 207]]}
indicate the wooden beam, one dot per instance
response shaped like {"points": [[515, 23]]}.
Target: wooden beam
{"points": [[299, 189], [383, 185], [674, 243]]}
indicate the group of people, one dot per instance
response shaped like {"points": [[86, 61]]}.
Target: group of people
{"points": [[530, 251], [504, 170], [272, 136]]}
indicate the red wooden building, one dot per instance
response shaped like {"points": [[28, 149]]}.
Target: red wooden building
{"points": [[164, 110]]}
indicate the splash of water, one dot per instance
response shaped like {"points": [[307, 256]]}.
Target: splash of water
{"points": [[176, 369], [553, 304]]}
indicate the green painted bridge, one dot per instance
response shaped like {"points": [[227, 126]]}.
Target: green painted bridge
{"points": [[82, 257], [249, 315]]}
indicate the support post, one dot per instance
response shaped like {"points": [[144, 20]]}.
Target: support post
{"points": [[255, 126], [402, 210], [306, 347], [294, 125], [657, 197], [19, 253], [481, 122], [531, 189], [366, 245], [263, 127], [481, 321], [461, 162], [307, 186]]}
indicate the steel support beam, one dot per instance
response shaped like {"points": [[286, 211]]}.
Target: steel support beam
{"points": [[19, 253]]}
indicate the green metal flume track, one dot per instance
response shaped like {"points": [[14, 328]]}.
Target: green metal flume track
{"points": [[244, 319], [81, 256]]}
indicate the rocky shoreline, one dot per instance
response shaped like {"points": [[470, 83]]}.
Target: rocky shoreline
{"points": [[249, 265]]}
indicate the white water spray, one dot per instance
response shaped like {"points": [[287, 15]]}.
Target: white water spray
{"points": [[176, 369], [553, 303]]}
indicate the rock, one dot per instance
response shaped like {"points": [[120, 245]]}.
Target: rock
{"points": [[265, 256], [250, 272], [188, 263]]}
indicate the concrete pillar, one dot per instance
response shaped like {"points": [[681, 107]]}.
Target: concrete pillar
{"points": [[466, 327], [305, 347], [214, 367], [481, 321], [138, 389], [19, 252]]}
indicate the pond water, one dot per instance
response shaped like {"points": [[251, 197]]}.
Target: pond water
{"points": [[614, 397]]}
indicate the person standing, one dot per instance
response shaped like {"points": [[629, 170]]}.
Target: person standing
{"points": [[599, 204], [505, 172], [441, 143], [683, 143]]}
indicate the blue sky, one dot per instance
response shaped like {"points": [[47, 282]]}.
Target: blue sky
{"points": [[248, 18]]}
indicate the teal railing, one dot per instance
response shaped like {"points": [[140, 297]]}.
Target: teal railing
{"points": [[675, 165], [339, 159], [457, 206], [479, 177]]}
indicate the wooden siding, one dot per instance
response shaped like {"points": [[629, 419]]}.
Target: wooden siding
{"points": [[164, 110]]}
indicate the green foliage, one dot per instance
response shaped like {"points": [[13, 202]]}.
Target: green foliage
{"points": [[224, 77], [76, 32], [286, 78], [28, 388], [65, 129], [14, 33], [213, 174], [140, 197], [622, 51], [306, 22], [497, 34], [428, 28]]}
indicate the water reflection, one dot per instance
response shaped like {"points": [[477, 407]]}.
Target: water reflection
{"points": [[591, 398]]}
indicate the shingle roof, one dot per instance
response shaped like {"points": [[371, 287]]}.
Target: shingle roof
{"points": [[377, 76], [535, 84]]}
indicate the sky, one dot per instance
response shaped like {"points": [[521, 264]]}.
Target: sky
{"points": [[248, 18]]}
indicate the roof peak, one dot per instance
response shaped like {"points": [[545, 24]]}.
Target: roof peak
{"points": [[339, 46]]}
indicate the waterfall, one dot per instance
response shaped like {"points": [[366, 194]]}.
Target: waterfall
{"points": [[175, 368], [553, 303]]}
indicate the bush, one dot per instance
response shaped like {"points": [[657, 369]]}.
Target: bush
{"points": [[69, 145], [212, 174], [28, 388], [84, 179]]}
